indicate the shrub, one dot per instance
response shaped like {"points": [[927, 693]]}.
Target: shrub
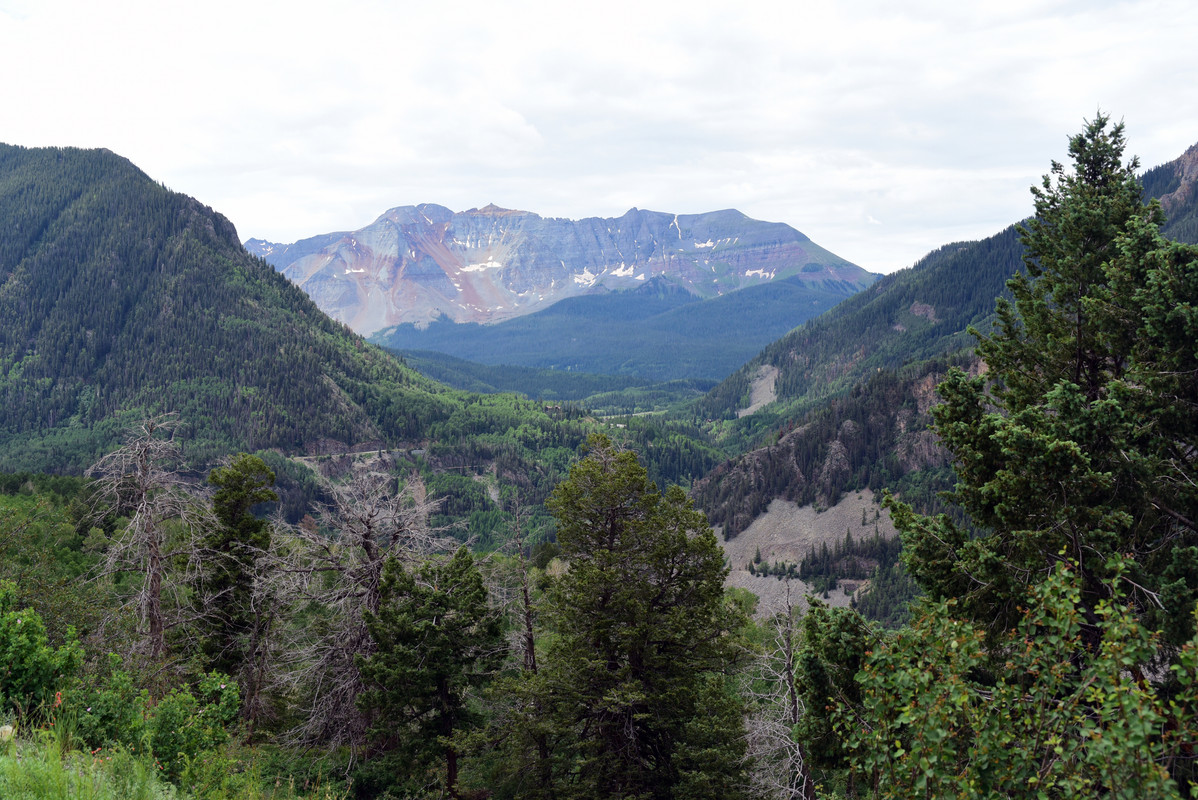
{"points": [[112, 710], [183, 727], [31, 671]]}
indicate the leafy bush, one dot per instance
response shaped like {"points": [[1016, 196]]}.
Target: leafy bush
{"points": [[183, 727], [112, 710], [31, 671]]}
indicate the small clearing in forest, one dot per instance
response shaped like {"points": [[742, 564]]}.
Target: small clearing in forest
{"points": [[786, 532], [763, 390]]}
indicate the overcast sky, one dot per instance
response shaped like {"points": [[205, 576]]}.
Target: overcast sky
{"points": [[880, 129]]}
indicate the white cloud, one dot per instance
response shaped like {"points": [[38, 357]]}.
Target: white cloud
{"points": [[881, 130]]}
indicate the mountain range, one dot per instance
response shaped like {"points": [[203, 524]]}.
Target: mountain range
{"points": [[420, 264], [120, 298]]}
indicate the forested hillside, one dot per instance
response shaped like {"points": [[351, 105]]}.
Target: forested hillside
{"points": [[122, 299], [603, 394], [657, 332], [907, 316]]}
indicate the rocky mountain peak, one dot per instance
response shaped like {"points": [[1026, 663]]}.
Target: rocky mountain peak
{"points": [[417, 264]]}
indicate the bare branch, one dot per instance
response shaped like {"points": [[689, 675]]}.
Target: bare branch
{"points": [[143, 482], [336, 570]]}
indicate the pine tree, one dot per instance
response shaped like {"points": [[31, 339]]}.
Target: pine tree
{"points": [[234, 545], [435, 639], [634, 682], [1062, 447]]}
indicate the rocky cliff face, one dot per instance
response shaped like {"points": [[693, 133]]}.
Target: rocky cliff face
{"points": [[416, 264]]}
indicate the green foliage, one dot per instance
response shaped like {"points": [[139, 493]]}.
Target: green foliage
{"points": [[42, 550], [639, 636], [1079, 443], [1057, 707], [1034, 671], [891, 592], [232, 548], [60, 487], [874, 557], [34, 673], [39, 768], [435, 639], [109, 708], [183, 725], [832, 649]]}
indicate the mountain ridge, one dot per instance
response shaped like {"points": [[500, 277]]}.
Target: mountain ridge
{"points": [[657, 331], [121, 298], [874, 361], [417, 264]]}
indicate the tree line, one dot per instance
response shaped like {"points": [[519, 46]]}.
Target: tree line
{"points": [[367, 632]]}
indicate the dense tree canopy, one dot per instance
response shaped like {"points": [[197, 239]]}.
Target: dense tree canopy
{"points": [[1078, 443]]}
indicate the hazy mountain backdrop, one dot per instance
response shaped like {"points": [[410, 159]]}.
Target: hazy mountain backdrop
{"points": [[418, 264]]}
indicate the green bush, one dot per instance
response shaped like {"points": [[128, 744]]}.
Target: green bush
{"points": [[31, 671], [112, 710], [183, 727]]}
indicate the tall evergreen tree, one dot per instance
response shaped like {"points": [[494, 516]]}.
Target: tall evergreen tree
{"points": [[435, 638], [1052, 445], [633, 680], [234, 545], [1028, 673]]}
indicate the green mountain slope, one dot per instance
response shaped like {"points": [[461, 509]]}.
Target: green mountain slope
{"points": [[854, 386], [657, 332], [912, 314], [120, 298]]}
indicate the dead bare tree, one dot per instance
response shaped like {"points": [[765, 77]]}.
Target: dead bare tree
{"points": [[781, 767], [277, 592], [339, 567], [143, 481], [528, 613]]}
